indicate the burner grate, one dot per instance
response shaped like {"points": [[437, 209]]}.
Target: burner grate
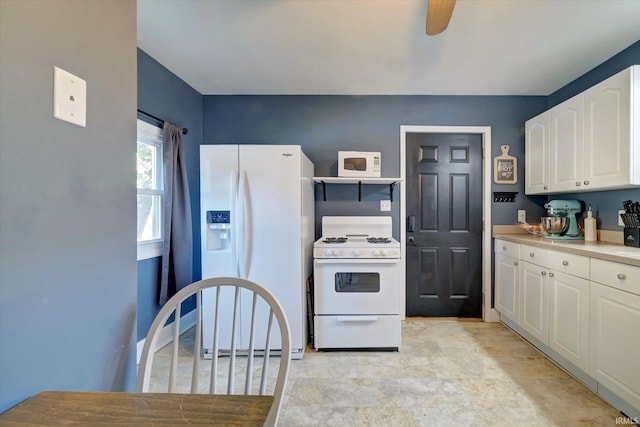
{"points": [[378, 240], [335, 240]]}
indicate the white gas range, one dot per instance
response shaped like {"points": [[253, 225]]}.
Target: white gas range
{"points": [[356, 284]]}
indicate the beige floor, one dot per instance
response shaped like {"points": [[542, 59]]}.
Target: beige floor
{"points": [[447, 373]]}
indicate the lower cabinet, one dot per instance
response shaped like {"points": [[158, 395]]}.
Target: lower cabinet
{"points": [[614, 359], [569, 318], [583, 312], [534, 300], [506, 286]]}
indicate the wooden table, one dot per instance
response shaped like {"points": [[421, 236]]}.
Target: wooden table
{"points": [[57, 408]]}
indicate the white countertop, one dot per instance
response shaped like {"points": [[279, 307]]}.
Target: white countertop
{"points": [[599, 249]]}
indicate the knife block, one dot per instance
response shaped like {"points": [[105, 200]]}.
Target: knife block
{"points": [[632, 237]]}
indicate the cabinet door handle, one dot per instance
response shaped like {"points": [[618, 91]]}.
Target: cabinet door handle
{"points": [[586, 183], [532, 254], [515, 262], [621, 276], [545, 187], [504, 248], [544, 273], [550, 274], [565, 263], [578, 184]]}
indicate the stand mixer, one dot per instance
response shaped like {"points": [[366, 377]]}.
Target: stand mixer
{"points": [[558, 209]]}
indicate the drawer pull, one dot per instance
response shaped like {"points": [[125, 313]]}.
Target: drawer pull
{"points": [[578, 184], [565, 263], [532, 254], [504, 248], [621, 276], [357, 319], [515, 262], [550, 274], [586, 183], [544, 273]]}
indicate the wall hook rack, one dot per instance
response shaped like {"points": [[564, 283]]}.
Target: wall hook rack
{"points": [[504, 196]]}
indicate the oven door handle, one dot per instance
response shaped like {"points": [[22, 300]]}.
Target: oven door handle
{"points": [[357, 319], [359, 261]]}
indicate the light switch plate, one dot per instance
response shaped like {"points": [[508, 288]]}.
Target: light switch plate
{"points": [[69, 97], [620, 222], [385, 205]]}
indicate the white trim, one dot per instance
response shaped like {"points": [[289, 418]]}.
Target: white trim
{"points": [[152, 135], [166, 334], [488, 314], [150, 249]]}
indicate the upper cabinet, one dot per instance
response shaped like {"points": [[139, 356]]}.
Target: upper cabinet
{"points": [[609, 131], [536, 154], [592, 141], [566, 153]]}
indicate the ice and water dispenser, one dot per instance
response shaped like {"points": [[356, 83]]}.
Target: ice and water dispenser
{"points": [[218, 230]]}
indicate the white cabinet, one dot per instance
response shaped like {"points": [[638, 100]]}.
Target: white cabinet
{"points": [[608, 132], [566, 153], [584, 313], [536, 154], [615, 348], [590, 142], [534, 291], [506, 278], [576, 265], [619, 276], [534, 300], [506, 281], [569, 317]]}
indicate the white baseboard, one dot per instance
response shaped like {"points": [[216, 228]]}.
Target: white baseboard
{"points": [[166, 334]]}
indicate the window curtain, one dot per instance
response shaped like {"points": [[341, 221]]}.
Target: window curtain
{"points": [[177, 257]]}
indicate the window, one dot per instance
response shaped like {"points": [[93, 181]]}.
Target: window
{"points": [[150, 190]]}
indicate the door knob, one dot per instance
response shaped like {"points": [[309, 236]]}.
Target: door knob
{"points": [[411, 240]]}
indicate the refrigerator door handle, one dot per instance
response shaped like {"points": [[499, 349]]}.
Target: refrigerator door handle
{"points": [[237, 226], [244, 253]]}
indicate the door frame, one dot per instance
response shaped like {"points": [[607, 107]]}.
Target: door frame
{"points": [[489, 314]]}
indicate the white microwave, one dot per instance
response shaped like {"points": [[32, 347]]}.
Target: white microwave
{"points": [[363, 164]]}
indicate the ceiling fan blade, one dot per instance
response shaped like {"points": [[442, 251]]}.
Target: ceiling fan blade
{"points": [[438, 15]]}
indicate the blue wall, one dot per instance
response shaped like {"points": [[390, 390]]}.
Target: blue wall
{"points": [[67, 200], [605, 203], [162, 94], [325, 124]]}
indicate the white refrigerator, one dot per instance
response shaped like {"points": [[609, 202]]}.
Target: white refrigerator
{"points": [[257, 222]]}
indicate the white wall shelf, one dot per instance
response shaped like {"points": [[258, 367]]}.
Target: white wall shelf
{"points": [[324, 180]]}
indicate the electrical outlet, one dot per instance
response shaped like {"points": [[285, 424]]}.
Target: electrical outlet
{"points": [[620, 223], [385, 205], [522, 216]]}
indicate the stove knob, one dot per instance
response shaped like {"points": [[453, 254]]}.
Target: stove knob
{"points": [[338, 253], [356, 252], [384, 253], [329, 252], [376, 253]]}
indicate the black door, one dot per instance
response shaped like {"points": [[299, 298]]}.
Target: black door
{"points": [[444, 224]]}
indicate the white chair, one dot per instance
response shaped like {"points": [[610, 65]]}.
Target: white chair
{"points": [[260, 343]]}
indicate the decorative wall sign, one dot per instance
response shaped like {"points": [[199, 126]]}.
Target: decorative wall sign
{"points": [[505, 167]]}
